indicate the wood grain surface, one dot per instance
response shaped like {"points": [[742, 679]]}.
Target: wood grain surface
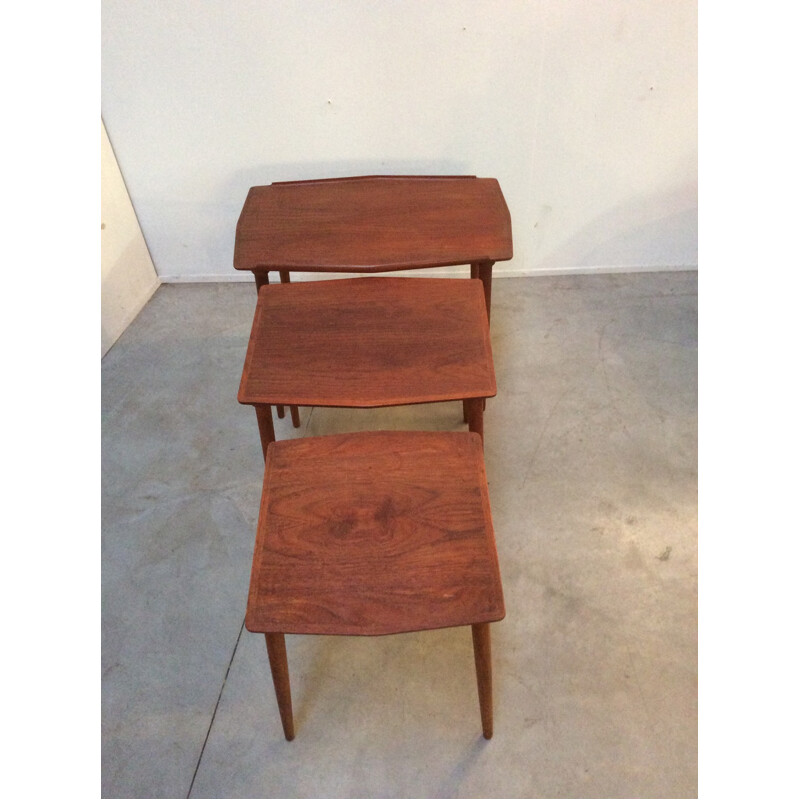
{"points": [[369, 342], [374, 533], [373, 224]]}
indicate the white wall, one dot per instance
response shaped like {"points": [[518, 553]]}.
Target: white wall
{"points": [[127, 273], [585, 111]]}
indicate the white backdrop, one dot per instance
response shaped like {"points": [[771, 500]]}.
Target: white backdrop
{"points": [[585, 111]]}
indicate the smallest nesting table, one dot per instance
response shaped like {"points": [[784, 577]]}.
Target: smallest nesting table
{"points": [[375, 533]]}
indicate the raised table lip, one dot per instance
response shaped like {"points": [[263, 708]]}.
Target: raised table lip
{"points": [[374, 627], [375, 177], [285, 257], [313, 397]]}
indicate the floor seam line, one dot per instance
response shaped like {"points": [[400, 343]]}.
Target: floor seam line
{"points": [[308, 421], [216, 706]]}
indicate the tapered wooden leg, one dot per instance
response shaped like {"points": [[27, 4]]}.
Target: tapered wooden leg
{"points": [[286, 278], [262, 279], [278, 664], [473, 274], [482, 646], [485, 274], [474, 408], [265, 427], [465, 404]]}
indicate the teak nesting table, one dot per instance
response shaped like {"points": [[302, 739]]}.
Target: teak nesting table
{"points": [[377, 223], [375, 533], [368, 342], [384, 532], [371, 224]]}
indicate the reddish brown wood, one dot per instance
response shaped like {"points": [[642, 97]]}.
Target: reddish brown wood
{"points": [[373, 224], [369, 342], [475, 415], [279, 666], [485, 274], [374, 533], [285, 278], [482, 647], [475, 274], [262, 279], [293, 410], [382, 177], [265, 427]]}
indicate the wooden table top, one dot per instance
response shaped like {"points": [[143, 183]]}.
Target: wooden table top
{"points": [[373, 224], [374, 533], [368, 342]]}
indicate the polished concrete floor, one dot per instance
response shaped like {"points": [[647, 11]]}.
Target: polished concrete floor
{"points": [[591, 456]]}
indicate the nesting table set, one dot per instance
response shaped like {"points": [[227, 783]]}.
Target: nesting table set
{"points": [[386, 532]]}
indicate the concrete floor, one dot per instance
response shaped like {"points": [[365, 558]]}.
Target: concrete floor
{"points": [[591, 452]]}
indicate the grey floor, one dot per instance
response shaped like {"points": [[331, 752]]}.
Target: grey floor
{"points": [[591, 455]]}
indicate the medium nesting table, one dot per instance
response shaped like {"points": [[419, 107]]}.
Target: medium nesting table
{"points": [[375, 533], [371, 224], [366, 343]]}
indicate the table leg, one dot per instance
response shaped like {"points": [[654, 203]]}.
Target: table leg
{"points": [[474, 274], [262, 279], [265, 427], [485, 274], [284, 279], [279, 666], [482, 647], [293, 410], [475, 415]]}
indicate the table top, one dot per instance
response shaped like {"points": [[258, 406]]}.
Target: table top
{"points": [[374, 533], [369, 342], [373, 224]]}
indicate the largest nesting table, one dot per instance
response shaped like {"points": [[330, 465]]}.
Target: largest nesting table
{"points": [[373, 224]]}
